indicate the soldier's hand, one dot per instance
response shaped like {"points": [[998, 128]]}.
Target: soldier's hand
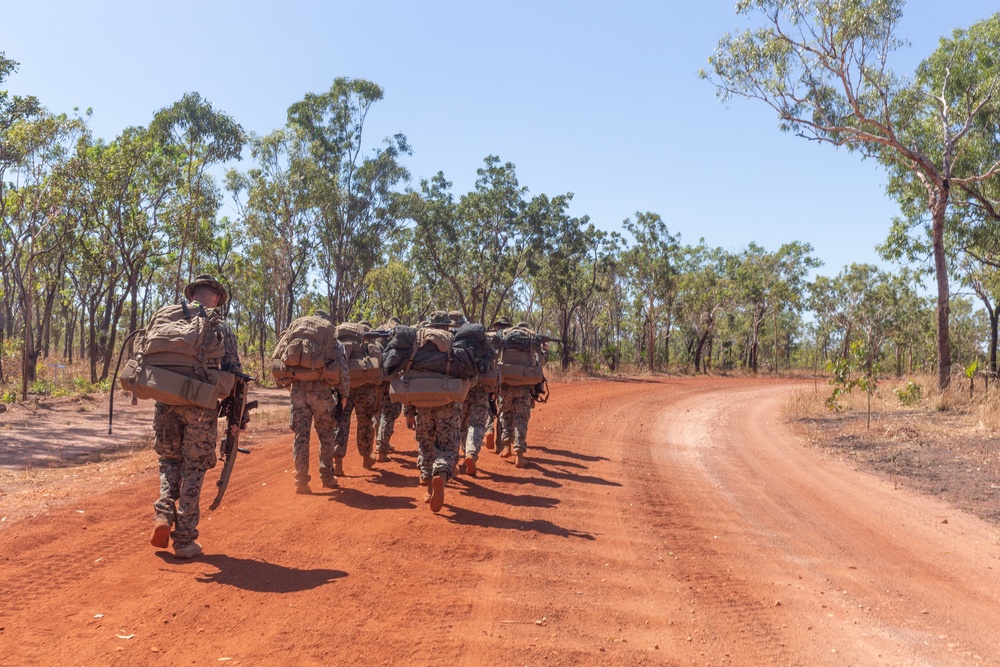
{"points": [[411, 422]]}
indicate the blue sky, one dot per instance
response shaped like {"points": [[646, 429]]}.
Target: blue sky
{"points": [[595, 98]]}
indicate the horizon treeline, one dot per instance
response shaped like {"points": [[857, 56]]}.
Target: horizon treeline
{"points": [[96, 234]]}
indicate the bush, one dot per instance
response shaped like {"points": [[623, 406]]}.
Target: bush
{"points": [[911, 394]]}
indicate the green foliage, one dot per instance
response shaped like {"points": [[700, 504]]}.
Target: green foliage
{"points": [[910, 394], [42, 387], [857, 369], [8, 397]]}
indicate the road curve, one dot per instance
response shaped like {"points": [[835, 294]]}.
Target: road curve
{"points": [[661, 522]]}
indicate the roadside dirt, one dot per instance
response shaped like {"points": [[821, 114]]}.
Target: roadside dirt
{"points": [[661, 522]]}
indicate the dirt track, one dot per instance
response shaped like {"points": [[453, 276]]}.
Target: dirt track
{"points": [[661, 522]]}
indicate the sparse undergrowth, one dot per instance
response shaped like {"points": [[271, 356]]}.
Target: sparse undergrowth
{"points": [[939, 443]]}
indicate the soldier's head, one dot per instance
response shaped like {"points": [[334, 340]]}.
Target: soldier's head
{"points": [[325, 315], [207, 291], [522, 325], [366, 324], [457, 318], [500, 323], [390, 323], [439, 320]]}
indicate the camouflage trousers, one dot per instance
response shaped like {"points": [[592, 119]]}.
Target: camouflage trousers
{"points": [[311, 406], [438, 433], [366, 403], [514, 410], [185, 442], [387, 420], [475, 414]]}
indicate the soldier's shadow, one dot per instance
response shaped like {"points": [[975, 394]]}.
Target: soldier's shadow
{"points": [[571, 476], [469, 517], [569, 454], [393, 479], [366, 501], [259, 576], [475, 490], [494, 473]]}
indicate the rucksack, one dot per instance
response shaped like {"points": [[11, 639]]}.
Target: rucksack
{"points": [[521, 360], [306, 352], [424, 381], [176, 358], [364, 359]]}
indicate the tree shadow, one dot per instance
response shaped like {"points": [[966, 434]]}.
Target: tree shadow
{"points": [[366, 501], [569, 454], [257, 575], [467, 517], [475, 490]]}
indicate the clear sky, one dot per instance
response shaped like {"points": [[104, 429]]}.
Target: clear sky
{"points": [[595, 98]]}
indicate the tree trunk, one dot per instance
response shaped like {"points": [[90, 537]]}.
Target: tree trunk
{"points": [[943, 294]]}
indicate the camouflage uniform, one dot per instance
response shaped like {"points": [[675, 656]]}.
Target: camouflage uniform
{"points": [[514, 409], [475, 413], [314, 401], [185, 442], [366, 402], [387, 420], [438, 434]]}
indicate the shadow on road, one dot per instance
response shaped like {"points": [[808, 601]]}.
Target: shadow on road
{"points": [[491, 474], [570, 476], [366, 501], [468, 517], [256, 575], [568, 454], [475, 490]]}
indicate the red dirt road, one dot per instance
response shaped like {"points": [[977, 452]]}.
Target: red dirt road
{"points": [[661, 522]]}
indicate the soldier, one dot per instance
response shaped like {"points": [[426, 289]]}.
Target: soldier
{"points": [[365, 401], [489, 439], [185, 441], [438, 434], [313, 401], [390, 410], [475, 413], [514, 404]]}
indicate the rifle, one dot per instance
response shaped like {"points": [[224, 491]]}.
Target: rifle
{"points": [[377, 333], [540, 392], [338, 412], [492, 401], [236, 410]]}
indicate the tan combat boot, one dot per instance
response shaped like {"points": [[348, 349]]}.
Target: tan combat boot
{"points": [[161, 532], [436, 499], [520, 462], [338, 467]]}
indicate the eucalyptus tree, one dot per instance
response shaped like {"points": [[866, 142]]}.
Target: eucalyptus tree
{"points": [[358, 206], [14, 109], [392, 290], [571, 270], [650, 264], [704, 293], [484, 245], [115, 192], [765, 284], [823, 65], [278, 220], [197, 137], [33, 220]]}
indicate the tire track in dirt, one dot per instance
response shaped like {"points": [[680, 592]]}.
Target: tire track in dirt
{"points": [[848, 562], [660, 522]]}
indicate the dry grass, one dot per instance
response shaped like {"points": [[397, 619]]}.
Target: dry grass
{"points": [[943, 444]]}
